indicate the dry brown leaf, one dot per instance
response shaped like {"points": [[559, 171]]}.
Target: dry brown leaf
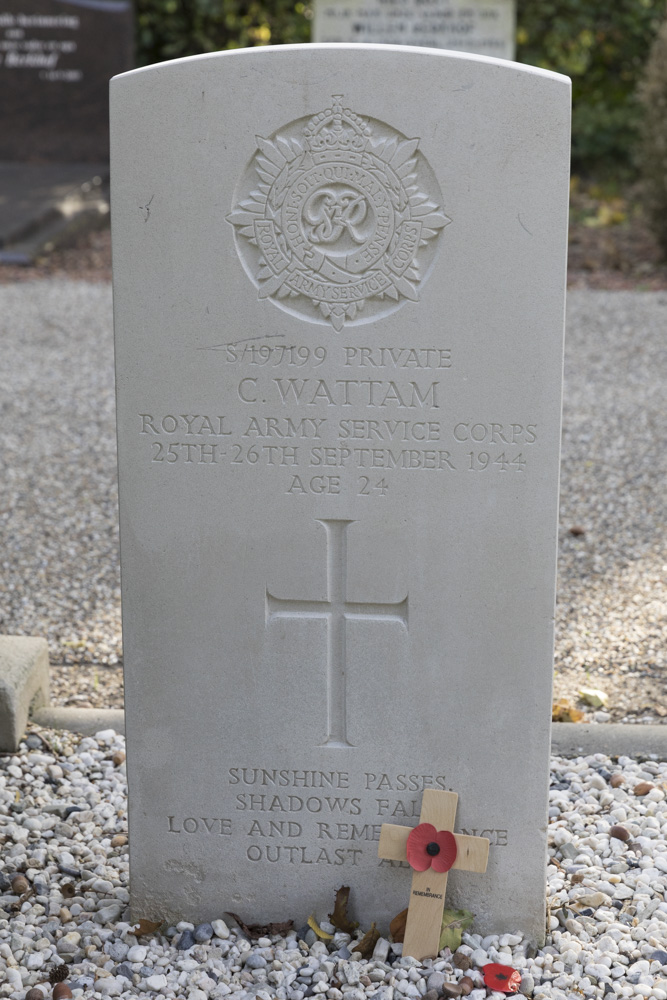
{"points": [[146, 927], [262, 930], [564, 711], [339, 917], [397, 926], [367, 944]]}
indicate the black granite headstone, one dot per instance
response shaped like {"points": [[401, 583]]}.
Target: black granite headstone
{"points": [[56, 59]]}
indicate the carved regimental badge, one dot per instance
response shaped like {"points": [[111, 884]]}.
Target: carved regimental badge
{"points": [[337, 218]]}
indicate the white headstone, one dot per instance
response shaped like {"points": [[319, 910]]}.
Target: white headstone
{"points": [[485, 27], [339, 319]]}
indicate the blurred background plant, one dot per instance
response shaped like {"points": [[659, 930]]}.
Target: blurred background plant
{"points": [[653, 146], [603, 47], [168, 29]]}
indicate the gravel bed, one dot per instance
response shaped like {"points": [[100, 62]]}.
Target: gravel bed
{"points": [[63, 823], [59, 575]]}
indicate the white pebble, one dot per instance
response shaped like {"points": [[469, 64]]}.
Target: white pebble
{"points": [[220, 929], [156, 982]]}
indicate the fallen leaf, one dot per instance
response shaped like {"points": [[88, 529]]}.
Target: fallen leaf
{"points": [[279, 928], [594, 697], [397, 926], [73, 643], [314, 926], [339, 917], [262, 930], [146, 927], [564, 711], [367, 944], [454, 923]]}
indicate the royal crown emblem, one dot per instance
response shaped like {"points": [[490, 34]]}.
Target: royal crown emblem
{"points": [[337, 218]]}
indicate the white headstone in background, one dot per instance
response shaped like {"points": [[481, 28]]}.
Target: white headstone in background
{"points": [[339, 320], [484, 27]]}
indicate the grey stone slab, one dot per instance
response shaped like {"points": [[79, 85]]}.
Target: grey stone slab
{"points": [[56, 59], [24, 681], [615, 739], [86, 721], [339, 324]]}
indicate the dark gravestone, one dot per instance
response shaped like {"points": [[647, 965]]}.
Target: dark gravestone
{"points": [[56, 60]]}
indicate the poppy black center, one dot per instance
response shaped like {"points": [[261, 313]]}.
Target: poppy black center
{"points": [[433, 848]]}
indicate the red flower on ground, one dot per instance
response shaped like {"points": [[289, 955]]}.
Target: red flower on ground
{"points": [[431, 848], [501, 977]]}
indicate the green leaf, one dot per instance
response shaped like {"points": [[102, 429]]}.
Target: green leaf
{"points": [[454, 923]]}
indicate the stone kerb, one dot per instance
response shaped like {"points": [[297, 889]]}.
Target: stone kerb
{"points": [[24, 682]]}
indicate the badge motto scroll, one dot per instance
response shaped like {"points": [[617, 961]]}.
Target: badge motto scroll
{"points": [[337, 218]]}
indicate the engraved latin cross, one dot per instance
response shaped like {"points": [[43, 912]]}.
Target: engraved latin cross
{"points": [[336, 610], [427, 894]]}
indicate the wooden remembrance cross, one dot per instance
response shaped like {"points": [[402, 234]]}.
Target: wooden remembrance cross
{"points": [[454, 850]]}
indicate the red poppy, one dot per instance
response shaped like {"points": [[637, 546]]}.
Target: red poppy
{"points": [[501, 977], [431, 848]]}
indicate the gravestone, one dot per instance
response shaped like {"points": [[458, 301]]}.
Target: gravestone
{"points": [[56, 59], [485, 27], [339, 321]]}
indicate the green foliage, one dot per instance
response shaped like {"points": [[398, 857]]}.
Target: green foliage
{"points": [[603, 46], [168, 29], [454, 923], [653, 96]]}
